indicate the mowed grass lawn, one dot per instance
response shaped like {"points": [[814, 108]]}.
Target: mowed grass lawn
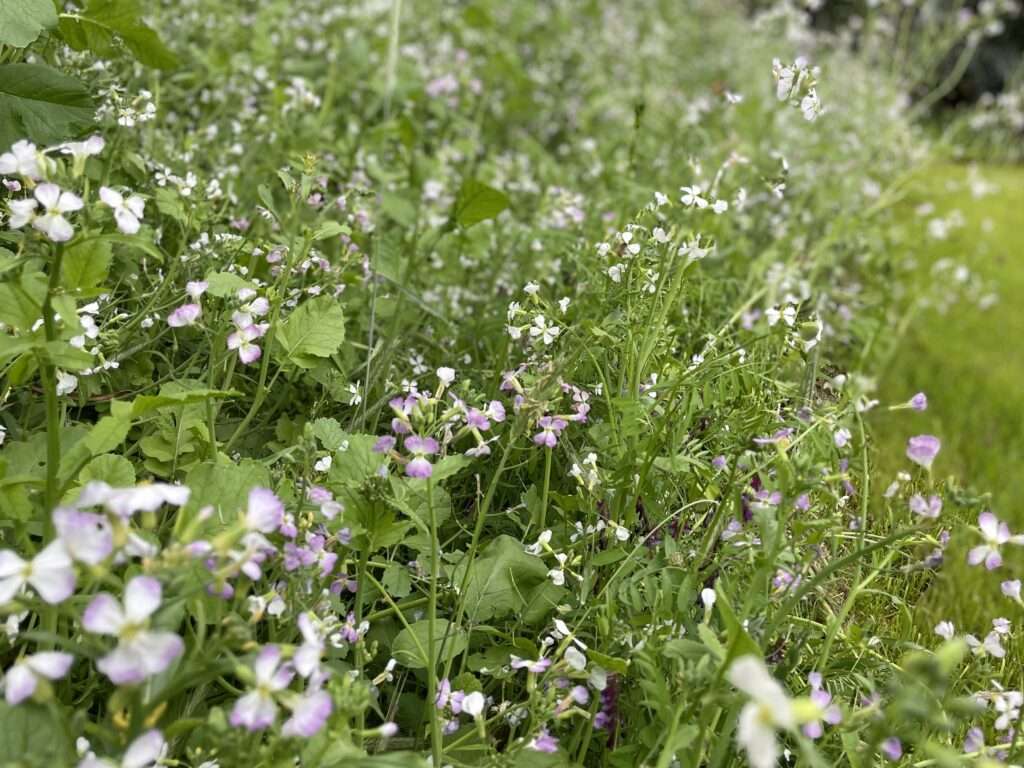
{"points": [[970, 363]]}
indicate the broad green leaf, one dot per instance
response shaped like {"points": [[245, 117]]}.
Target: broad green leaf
{"points": [[12, 346], [18, 308], [112, 469], [500, 579], [63, 355], [22, 21], [223, 284], [329, 433], [330, 229], [41, 104], [224, 486], [145, 404], [86, 263], [315, 329], [357, 463], [30, 737], [478, 202], [103, 21], [408, 653]]}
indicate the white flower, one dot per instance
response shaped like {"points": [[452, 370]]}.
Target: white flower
{"points": [[21, 160], [145, 752], [446, 376], [575, 659], [692, 197], [82, 149], [769, 710], [127, 211], [708, 597], [945, 630], [324, 464], [66, 383], [810, 106], [547, 332], [615, 273], [473, 704], [660, 235], [720, 207], [51, 573], [55, 204]]}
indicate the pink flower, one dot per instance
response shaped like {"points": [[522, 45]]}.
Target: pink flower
{"points": [[184, 315], [544, 742], [140, 652], [919, 402], [550, 429], [420, 448], [923, 449], [536, 667], [926, 508]]}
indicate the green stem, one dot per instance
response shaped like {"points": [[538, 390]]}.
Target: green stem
{"points": [[544, 494], [49, 376], [436, 746]]}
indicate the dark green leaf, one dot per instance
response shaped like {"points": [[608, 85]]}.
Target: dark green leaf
{"points": [[478, 202], [408, 653], [86, 263], [103, 21], [41, 104]]}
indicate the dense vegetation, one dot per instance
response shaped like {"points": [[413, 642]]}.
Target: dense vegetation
{"points": [[487, 386]]}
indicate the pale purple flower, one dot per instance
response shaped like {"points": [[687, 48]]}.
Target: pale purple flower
{"points": [[892, 748], [184, 315], [830, 713], [127, 210], [420, 448], [144, 752], [387, 730], [50, 573], [265, 512], [444, 692], [930, 507], [1011, 588], [945, 630], [535, 667], [841, 437], [140, 652], [22, 678], [919, 402], [778, 436], [86, 536], [995, 534], [550, 429], [242, 339], [923, 449], [384, 444], [975, 740], [495, 411], [992, 645], [309, 715], [257, 709], [196, 288], [544, 742], [719, 463]]}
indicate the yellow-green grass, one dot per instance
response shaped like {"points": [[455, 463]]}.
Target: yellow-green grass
{"points": [[970, 363]]}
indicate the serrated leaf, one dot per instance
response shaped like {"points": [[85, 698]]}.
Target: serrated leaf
{"points": [[41, 104], [478, 202], [103, 21], [22, 21], [86, 263], [329, 433], [112, 469], [315, 329]]}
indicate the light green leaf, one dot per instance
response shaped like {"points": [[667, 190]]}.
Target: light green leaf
{"points": [[330, 229], [22, 21], [224, 486], [86, 263], [357, 464], [29, 736], [223, 284], [329, 433], [408, 642], [478, 202], [315, 329], [112, 469], [103, 21], [41, 104]]}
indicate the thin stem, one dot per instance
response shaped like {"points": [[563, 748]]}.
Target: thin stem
{"points": [[436, 746], [49, 376], [543, 517]]}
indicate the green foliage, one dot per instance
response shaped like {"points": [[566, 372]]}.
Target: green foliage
{"points": [[22, 21], [101, 22], [42, 104]]}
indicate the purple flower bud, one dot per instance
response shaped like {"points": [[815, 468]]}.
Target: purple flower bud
{"points": [[919, 402]]}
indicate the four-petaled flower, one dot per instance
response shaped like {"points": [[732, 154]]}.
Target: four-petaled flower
{"points": [[995, 533], [22, 678], [55, 204], [550, 428], [140, 652], [127, 210], [420, 448], [257, 709], [50, 573]]}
